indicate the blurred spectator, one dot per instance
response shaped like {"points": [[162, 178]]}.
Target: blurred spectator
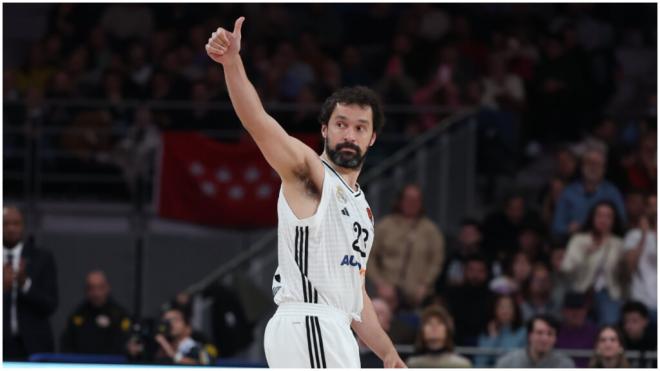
{"points": [[635, 208], [580, 196], [639, 333], [517, 271], [504, 331], [137, 149], [541, 337], [407, 253], [641, 258], [560, 281], [608, 350], [125, 22], [29, 291], [503, 90], [99, 325], [576, 331], [399, 332], [502, 227], [537, 293], [643, 173], [434, 347], [469, 303], [551, 199], [593, 261], [567, 164], [468, 243], [175, 344]]}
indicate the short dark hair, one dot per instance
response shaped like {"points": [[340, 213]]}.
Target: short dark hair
{"points": [[548, 319], [185, 314], [360, 95], [635, 307]]}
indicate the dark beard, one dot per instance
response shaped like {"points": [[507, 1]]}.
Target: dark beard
{"points": [[343, 159]]}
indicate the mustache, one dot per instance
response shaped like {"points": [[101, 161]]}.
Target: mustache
{"points": [[349, 145]]}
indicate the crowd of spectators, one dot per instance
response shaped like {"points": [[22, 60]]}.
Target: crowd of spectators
{"points": [[567, 113], [541, 74]]}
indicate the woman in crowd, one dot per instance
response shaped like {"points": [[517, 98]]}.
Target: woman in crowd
{"points": [[504, 330], [593, 262], [608, 350], [434, 347]]}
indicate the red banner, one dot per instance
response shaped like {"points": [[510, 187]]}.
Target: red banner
{"points": [[221, 184]]}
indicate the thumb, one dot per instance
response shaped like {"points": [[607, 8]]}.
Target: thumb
{"points": [[238, 25]]}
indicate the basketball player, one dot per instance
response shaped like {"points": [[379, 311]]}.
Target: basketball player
{"points": [[325, 227]]}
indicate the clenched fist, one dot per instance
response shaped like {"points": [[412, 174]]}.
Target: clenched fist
{"points": [[223, 46]]}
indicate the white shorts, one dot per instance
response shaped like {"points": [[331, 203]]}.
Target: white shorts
{"points": [[303, 335]]}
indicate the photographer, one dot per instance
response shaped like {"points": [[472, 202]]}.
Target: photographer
{"points": [[172, 342]]}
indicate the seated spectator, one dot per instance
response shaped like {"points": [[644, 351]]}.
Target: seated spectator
{"points": [[407, 253], [560, 282], [504, 331], [641, 255], [541, 337], [576, 331], [434, 347], [580, 196], [638, 332], [502, 227], [468, 243], [593, 262], [399, 332], [517, 271], [635, 207], [550, 198], [608, 350], [469, 303], [643, 173], [99, 325], [537, 293], [567, 164]]}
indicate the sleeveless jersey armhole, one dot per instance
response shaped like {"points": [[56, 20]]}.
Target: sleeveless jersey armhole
{"points": [[314, 219]]}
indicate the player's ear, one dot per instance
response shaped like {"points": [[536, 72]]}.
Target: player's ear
{"points": [[373, 139], [324, 130]]}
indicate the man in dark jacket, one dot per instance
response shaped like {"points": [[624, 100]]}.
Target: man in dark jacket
{"points": [[29, 292], [98, 325]]}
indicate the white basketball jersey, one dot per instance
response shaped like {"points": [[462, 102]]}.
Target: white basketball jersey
{"points": [[323, 258]]}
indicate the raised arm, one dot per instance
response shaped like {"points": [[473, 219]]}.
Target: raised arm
{"points": [[287, 155]]}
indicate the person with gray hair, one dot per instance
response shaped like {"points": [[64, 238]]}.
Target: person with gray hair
{"points": [[581, 195]]}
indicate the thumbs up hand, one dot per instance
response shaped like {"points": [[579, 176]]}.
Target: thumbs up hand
{"points": [[223, 46]]}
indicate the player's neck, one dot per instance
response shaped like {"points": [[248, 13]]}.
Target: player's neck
{"points": [[350, 176]]}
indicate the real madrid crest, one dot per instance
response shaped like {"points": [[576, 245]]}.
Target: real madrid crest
{"points": [[341, 195]]}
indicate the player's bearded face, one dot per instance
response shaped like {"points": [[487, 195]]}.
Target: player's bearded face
{"points": [[345, 154]]}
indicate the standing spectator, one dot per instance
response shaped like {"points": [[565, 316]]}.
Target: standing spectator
{"points": [[593, 261], [98, 325], [541, 337], [608, 350], [641, 258], [434, 347], [638, 332], [408, 252], [469, 302], [29, 292], [580, 196], [576, 331], [537, 293], [504, 331]]}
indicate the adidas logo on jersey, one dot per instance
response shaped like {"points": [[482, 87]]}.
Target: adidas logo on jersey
{"points": [[345, 211], [350, 260]]}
